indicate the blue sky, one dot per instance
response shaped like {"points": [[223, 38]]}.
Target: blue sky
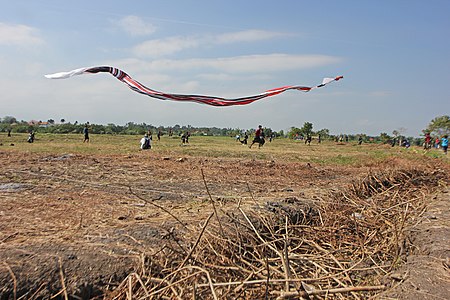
{"points": [[394, 56]]}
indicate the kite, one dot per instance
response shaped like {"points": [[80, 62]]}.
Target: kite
{"points": [[210, 100]]}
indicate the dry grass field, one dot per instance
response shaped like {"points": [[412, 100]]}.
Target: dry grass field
{"points": [[216, 220]]}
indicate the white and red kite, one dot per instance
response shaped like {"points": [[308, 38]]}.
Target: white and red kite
{"points": [[210, 100]]}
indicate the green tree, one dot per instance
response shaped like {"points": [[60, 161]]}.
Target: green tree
{"points": [[385, 138], [439, 126], [324, 133], [307, 128], [294, 132]]}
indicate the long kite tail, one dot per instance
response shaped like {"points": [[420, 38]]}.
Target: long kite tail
{"points": [[210, 100]]}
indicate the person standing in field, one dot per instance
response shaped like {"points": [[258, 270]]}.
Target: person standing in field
{"points": [[31, 137], [159, 135], [360, 140], [444, 144], [86, 133], [308, 139], [146, 142], [427, 144], [244, 141], [436, 143]]}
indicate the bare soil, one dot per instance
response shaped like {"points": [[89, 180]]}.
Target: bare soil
{"points": [[76, 225], [426, 272]]}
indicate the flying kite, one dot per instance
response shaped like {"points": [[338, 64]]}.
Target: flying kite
{"points": [[210, 100]]}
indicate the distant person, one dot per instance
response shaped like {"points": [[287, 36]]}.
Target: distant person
{"points": [[245, 140], [308, 139], [31, 137], [185, 137], [427, 143], [319, 139], [444, 144], [259, 137], [436, 143], [405, 143], [146, 142], [360, 140], [86, 133], [159, 135], [9, 132]]}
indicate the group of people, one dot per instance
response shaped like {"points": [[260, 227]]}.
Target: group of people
{"points": [[429, 142], [259, 137], [146, 140], [435, 142]]}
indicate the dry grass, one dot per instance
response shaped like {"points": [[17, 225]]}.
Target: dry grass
{"points": [[339, 247]]}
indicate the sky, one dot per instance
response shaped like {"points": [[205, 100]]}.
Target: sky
{"points": [[393, 54]]}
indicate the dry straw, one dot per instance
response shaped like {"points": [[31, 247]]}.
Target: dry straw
{"points": [[337, 248]]}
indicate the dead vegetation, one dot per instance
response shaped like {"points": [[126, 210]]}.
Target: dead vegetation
{"points": [[339, 246], [169, 226]]}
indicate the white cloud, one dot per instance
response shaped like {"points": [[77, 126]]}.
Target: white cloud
{"points": [[135, 26], [250, 63], [161, 47], [171, 45], [247, 36], [19, 35]]}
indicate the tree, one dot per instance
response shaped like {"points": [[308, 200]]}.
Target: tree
{"points": [[307, 128], [395, 133], [9, 120], [385, 138], [324, 133], [439, 126], [294, 132]]}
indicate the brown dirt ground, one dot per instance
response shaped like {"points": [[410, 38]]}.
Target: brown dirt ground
{"points": [[426, 272], [84, 220]]}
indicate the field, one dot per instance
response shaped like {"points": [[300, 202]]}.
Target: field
{"points": [[216, 220]]}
